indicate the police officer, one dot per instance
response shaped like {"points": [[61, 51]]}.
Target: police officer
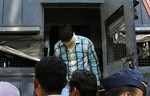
{"points": [[125, 83]]}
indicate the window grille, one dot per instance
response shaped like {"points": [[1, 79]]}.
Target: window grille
{"points": [[10, 60]]}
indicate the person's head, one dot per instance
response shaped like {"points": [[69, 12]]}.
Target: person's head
{"points": [[125, 91], [83, 83], [125, 83], [8, 89], [65, 32], [67, 36], [50, 75]]}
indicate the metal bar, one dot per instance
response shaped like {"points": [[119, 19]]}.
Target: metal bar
{"points": [[19, 33], [75, 7], [142, 30], [11, 30], [72, 1], [16, 75], [17, 29]]}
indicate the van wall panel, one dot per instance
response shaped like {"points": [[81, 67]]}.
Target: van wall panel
{"points": [[32, 12], [1, 11], [24, 83], [145, 16], [139, 20], [12, 12]]}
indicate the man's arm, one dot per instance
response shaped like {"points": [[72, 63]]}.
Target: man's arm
{"points": [[56, 51], [93, 61]]}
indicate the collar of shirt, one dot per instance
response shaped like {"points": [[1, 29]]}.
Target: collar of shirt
{"points": [[77, 41]]}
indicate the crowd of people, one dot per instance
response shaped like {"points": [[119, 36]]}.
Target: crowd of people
{"points": [[74, 71], [50, 79]]}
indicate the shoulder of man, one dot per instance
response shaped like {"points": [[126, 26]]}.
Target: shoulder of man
{"points": [[59, 43], [83, 37]]}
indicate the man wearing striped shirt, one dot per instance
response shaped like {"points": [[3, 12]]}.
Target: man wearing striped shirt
{"points": [[78, 52]]}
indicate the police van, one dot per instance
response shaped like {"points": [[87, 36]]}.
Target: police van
{"points": [[119, 29]]}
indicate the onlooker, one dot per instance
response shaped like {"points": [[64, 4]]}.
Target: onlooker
{"points": [[50, 76], [125, 83], [83, 83], [8, 89], [78, 52]]}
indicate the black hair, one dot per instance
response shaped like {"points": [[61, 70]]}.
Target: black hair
{"points": [[65, 32], [119, 90], [85, 81], [51, 73]]}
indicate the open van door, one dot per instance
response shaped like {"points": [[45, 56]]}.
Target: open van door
{"points": [[118, 36]]}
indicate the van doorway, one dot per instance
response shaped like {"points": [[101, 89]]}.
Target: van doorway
{"points": [[84, 18]]}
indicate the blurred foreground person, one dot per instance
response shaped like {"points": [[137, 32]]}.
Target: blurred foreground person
{"points": [[83, 83], [50, 76], [125, 83], [8, 89]]}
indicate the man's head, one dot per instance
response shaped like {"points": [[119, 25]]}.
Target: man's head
{"points": [[83, 83], [67, 36], [125, 82], [65, 32], [50, 74], [125, 91]]}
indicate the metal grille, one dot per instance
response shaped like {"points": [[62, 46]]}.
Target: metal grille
{"points": [[115, 36], [144, 61], [115, 51], [9, 60], [144, 54], [119, 51]]}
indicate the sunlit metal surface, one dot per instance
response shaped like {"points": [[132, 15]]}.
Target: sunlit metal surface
{"points": [[4, 29]]}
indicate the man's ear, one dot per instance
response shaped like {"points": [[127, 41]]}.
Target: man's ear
{"points": [[74, 92], [35, 83], [65, 82], [38, 90], [127, 93]]}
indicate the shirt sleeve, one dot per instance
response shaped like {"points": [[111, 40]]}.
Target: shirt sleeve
{"points": [[56, 50], [93, 61]]}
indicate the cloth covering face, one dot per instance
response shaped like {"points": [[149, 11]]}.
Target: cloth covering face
{"points": [[71, 44]]}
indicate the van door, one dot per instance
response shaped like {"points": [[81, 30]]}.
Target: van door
{"points": [[118, 36]]}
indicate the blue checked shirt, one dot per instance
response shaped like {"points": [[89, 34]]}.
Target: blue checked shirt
{"points": [[82, 57]]}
